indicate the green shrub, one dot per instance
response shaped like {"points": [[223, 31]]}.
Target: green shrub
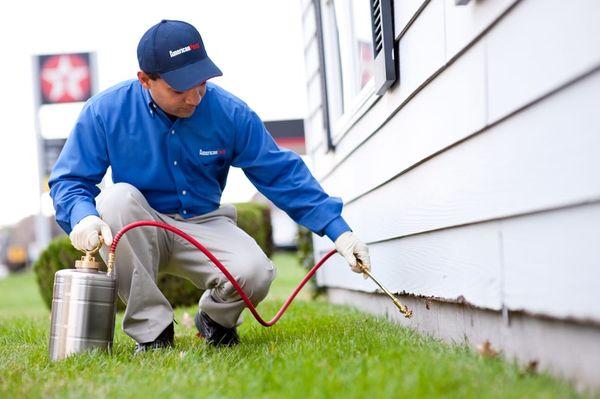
{"points": [[253, 218]]}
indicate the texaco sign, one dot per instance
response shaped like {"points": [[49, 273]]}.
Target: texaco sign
{"points": [[64, 78]]}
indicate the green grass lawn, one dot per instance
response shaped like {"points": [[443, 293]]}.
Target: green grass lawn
{"points": [[316, 350]]}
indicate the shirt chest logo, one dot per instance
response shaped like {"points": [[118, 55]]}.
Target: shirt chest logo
{"points": [[206, 153]]}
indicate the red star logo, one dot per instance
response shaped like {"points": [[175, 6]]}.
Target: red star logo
{"points": [[65, 78]]}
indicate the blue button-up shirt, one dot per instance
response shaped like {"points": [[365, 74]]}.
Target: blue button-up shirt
{"points": [[181, 167]]}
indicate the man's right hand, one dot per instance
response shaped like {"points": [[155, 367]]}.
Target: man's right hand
{"points": [[85, 234]]}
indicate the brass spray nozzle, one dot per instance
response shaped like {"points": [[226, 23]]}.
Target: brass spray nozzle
{"points": [[88, 262], [403, 309]]}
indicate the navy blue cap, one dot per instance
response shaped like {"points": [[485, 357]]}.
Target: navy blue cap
{"points": [[175, 51]]}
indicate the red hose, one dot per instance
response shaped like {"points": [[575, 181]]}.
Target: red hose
{"points": [[206, 252]]}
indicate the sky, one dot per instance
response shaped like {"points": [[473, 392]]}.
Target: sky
{"points": [[257, 44]]}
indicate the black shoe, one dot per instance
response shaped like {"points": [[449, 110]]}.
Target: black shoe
{"points": [[164, 340], [214, 333]]}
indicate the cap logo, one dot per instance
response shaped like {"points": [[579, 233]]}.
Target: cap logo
{"points": [[193, 46]]}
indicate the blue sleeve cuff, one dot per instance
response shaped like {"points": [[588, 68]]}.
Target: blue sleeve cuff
{"points": [[80, 210], [336, 227]]}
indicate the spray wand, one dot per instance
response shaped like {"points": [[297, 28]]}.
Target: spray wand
{"points": [[111, 266]]}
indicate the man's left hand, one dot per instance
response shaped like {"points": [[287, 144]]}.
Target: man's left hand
{"points": [[354, 251]]}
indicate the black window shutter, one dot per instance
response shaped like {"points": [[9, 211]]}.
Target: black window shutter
{"points": [[383, 44]]}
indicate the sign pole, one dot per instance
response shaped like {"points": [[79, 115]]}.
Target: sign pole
{"points": [[42, 226]]}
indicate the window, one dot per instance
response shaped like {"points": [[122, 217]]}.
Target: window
{"points": [[353, 25], [353, 80], [350, 58]]}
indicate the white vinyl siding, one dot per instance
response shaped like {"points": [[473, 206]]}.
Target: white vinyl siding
{"points": [[476, 177]]}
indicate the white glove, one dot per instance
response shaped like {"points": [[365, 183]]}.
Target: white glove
{"points": [[353, 250], [85, 234]]}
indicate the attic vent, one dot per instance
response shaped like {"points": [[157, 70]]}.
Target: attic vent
{"points": [[383, 44]]}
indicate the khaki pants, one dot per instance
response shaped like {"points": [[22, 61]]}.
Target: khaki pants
{"points": [[145, 251]]}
